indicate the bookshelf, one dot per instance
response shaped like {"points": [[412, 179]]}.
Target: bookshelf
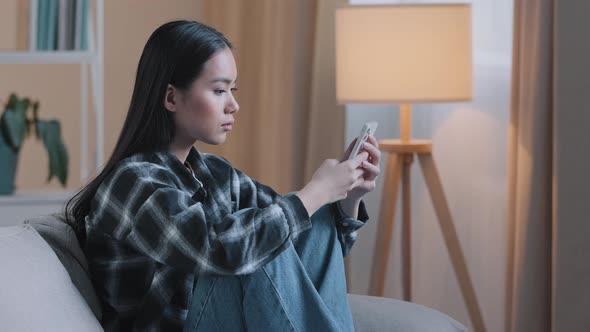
{"points": [[91, 63], [22, 205]]}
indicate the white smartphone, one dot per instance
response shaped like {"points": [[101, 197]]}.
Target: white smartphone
{"points": [[368, 129]]}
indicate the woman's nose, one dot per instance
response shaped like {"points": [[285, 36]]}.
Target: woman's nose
{"points": [[233, 106]]}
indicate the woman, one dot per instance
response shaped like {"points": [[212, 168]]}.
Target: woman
{"points": [[178, 239]]}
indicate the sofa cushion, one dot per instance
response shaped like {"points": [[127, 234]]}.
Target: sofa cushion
{"points": [[61, 238], [373, 314], [36, 293]]}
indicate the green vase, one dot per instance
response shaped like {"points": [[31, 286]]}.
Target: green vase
{"points": [[8, 159]]}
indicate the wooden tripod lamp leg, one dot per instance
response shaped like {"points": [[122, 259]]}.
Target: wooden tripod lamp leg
{"points": [[406, 228], [451, 240], [385, 227]]}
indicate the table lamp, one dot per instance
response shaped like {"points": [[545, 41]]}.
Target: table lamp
{"points": [[405, 54]]}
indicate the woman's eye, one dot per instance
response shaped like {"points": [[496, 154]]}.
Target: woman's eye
{"points": [[221, 91]]}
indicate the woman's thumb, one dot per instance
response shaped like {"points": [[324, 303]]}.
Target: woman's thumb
{"points": [[346, 154]]}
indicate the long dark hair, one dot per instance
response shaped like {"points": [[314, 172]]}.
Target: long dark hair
{"points": [[174, 54]]}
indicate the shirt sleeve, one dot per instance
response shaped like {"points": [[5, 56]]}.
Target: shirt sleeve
{"points": [[165, 223], [347, 227], [253, 193]]}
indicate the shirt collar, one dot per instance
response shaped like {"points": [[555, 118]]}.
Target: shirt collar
{"points": [[190, 182]]}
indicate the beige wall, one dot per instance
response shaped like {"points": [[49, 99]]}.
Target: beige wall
{"points": [[8, 23], [128, 24]]}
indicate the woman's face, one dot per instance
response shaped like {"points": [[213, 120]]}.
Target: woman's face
{"points": [[203, 111]]}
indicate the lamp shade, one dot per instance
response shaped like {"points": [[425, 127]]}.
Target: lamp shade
{"points": [[403, 53]]}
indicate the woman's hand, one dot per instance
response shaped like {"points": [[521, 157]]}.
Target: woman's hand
{"points": [[371, 168], [332, 182], [345, 181]]}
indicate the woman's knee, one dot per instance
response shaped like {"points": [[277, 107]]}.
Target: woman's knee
{"points": [[288, 260]]}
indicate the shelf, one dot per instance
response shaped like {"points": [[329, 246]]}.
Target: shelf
{"points": [[47, 57]]}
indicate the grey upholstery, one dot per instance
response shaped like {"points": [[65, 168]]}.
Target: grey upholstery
{"points": [[383, 314], [36, 290], [62, 239]]}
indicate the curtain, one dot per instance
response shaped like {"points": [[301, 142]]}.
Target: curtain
{"points": [[547, 274], [326, 118], [284, 53]]}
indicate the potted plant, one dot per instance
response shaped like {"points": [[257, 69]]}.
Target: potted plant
{"points": [[16, 124]]}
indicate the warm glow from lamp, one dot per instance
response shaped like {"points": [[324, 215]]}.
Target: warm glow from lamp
{"points": [[403, 53]]}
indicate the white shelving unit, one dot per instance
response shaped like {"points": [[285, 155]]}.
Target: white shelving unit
{"points": [[16, 208], [91, 60]]}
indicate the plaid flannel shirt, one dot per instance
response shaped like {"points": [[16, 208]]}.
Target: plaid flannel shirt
{"points": [[154, 227]]}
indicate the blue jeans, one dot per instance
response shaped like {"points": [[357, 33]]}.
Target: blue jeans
{"points": [[302, 289]]}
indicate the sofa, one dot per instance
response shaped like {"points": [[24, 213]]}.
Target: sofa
{"points": [[45, 286]]}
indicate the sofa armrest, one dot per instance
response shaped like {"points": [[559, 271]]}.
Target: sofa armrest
{"points": [[62, 239]]}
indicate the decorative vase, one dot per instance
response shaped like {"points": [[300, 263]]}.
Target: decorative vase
{"points": [[8, 160]]}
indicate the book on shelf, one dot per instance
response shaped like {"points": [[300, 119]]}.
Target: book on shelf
{"points": [[53, 25], [82, 28], [41, 26], [62, 24], [77, 24]]}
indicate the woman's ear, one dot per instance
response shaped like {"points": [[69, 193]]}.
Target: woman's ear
{"points": [[170, 98]]}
